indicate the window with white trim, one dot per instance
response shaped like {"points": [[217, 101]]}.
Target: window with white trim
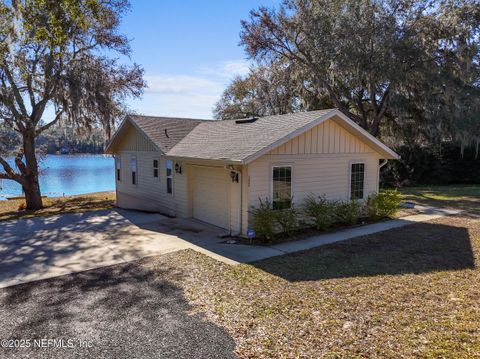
{"points": [[118, 167], [155, 168], [169, 172], [357, 181], [134, 170], [282, 187]]}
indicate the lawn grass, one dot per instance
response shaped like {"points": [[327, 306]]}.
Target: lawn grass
{"points": [[59, 205], [407, 292], [442, 193], [455, 196]]}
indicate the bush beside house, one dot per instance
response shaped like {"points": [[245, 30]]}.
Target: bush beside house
{"points": [[320, 214]]}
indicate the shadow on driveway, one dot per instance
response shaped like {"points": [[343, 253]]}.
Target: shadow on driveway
{"points": [[124, 311]]}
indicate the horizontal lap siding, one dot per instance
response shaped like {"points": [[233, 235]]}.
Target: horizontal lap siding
{"points": [[235, 205], [149, 192], [181, 191], [245, 202], [320, 160], [327, 175]]}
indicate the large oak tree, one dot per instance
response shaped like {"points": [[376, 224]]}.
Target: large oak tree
{"points": [[60, 57], [389, 65]]}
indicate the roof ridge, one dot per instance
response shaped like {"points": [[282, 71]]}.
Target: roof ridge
{"points": [[170, 118], [283, 114]]}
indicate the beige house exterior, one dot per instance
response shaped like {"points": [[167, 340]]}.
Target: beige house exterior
{"points": [[215, 171]]}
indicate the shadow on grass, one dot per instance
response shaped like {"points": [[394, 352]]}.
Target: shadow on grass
{"points": [[418, 248], [124, 311]]}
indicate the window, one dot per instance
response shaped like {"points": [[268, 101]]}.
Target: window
{"points": [[118, 164], [169, 168], [282, 187], [134, 170], [155, 168], [357, 179]]}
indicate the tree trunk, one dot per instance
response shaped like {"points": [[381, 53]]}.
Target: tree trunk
{"points": [[31, 186]]}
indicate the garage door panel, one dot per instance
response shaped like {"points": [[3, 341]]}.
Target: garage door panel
{"points": [[211, 195]]}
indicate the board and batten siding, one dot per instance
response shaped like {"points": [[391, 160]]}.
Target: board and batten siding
{"points": [[133, 140], [321, 159], [328, 137]]}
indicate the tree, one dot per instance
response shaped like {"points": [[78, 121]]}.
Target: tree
{"points": [[373, 58], [264, 91], [54, 57], [272, 89]]}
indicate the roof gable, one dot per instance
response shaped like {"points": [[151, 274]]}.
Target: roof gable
{"points": [[327, 137], [163, 132]]}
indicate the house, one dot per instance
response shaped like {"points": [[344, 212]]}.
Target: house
{"points": [[215, 171]]}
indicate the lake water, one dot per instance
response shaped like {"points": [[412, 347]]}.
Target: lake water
{"points": [[69, 175]]}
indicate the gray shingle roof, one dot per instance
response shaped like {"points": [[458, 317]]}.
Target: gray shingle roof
{"points": [[228, 140], [155, 127]]}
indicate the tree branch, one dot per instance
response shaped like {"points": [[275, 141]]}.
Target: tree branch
{"points": [[58, 115], [9, 172], [16, 92]]}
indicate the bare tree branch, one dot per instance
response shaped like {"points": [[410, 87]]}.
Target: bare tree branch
{"points": [[58, 116]]}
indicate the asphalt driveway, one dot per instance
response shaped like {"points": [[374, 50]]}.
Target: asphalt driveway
{"points": [[121, 311]]}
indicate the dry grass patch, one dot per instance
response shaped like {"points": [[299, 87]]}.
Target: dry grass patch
{"points": [[409, 292], [466, 197], [59, 205]]}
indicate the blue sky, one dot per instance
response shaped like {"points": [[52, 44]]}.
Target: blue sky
{"points": [[189, 50]]}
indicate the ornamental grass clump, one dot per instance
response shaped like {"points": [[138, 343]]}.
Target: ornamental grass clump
{"points": [[320, 211], [384, 204]]}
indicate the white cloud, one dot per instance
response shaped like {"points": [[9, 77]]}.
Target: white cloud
{"points": [[180, 84], [228, 69], [195, 105], [188, 95]]}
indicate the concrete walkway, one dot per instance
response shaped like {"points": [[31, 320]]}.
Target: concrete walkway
{"points": [[317, 241], [39, 248]]}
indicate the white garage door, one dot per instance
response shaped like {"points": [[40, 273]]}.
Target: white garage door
{"points": [[211, 189]]}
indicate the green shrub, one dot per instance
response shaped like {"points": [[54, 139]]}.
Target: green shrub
{"points": [[383, 204], [263, 219], [347, 212], [287, 220], [320, 211]]}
